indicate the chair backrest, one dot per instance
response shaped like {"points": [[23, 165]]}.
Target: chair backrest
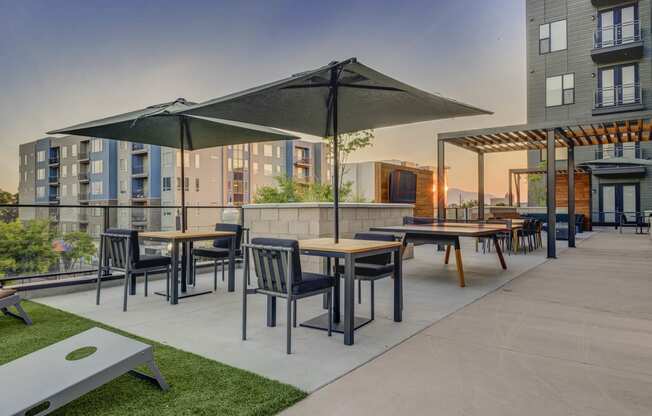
{"points": [[224, 242], [119, 243], [418, 220], [269, 256], [379, 259]]}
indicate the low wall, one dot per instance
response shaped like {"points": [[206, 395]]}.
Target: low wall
{"points": [[301, 221]]}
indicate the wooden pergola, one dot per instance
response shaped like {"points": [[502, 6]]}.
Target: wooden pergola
{"points": [[514, 180], [633, 127]]}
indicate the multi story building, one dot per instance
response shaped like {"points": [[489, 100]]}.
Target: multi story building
{"points": [[590, 61]]}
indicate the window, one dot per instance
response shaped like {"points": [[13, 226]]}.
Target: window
{"points": [[552, 37], [73, 150], [40, 191], [123, 187], [278, 152], [40, 156], [73, 190], [64, 152], [229, 165], [197, 184], [278, 169], [255, 166], [73, 169], [40, 174], [267, 169], [64, 190], [560, 90], [123, 165], [185, 182], [96, 188], [267, 150], [96, 145], [96, 166], [186, 160], [64, 171], [197, 157], [178, 159], [618, 85], [254, 148], [167, 184]]}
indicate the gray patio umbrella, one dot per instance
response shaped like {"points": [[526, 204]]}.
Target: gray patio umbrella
{"points": [[341, 97], [167, 125]]}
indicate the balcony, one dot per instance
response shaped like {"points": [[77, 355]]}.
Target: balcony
{"points": [[54, 198], [83, 177], [53, 180], [617, 99], [83, 156], [139, 170], [54, 159], [621, 42], [138, 216], [304, 161], [138, 148], [84, 196], [606, 3], [139, 194]]}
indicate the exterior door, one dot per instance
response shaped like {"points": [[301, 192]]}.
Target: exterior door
{"points": [[608, 204], [607, 32], [629, 205], [618, 199], [607, 82], [628, 21], [628, 77]]}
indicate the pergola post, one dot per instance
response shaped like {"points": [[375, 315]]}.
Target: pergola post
{"points": [[551, 204], [571, 195], [510, 196], [480, 186], [517, 178], [441, 181]]}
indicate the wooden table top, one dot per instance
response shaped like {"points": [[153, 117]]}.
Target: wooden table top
{"points": [[515, 224], [346, 245], [188, 235], [447, 229]]}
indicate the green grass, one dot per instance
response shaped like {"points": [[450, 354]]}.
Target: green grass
{"points": [[198, 386]]}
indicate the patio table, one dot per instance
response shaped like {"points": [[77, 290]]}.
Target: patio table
{"points": [[350, 250], [449, 234], [177, 238]]}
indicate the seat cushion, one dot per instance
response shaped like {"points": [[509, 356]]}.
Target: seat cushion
{"points": [[311, 282], [367, 271], [5, 293], [147, 262], [214, 252]]}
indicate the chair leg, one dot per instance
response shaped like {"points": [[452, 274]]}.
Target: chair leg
{"points": [[194, 272], [222, 269], [359, 292], [373, 300], [167, 285], [288, 324], [294, 313], [146, 279], [126, 291], [99, 284], [244, 313], [215, 275], [329, 298]]}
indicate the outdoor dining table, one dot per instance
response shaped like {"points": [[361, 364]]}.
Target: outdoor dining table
{"points": [[349, 251], [185, 239]]}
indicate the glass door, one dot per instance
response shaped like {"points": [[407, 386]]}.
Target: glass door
{"points": [[629, 201], [608, 203], [607, 82], [607, 33], [627, 20], [628, 76]]}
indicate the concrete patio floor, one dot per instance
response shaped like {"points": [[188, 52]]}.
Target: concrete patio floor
{"points": [[571, 336], [210, 325]]}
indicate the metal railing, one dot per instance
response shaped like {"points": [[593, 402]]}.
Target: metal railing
{"points": [[137, 146], [618, 95], [138, 169], [93, 220], [54, 178], [54, 160], [616, 35], [83, 176], [83, 155]]}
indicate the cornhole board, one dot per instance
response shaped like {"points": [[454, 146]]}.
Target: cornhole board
{"points": [[8, 299], [47, 379]]}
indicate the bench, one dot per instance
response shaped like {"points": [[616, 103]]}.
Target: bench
{"points": [[9, 298], [47, 379]]}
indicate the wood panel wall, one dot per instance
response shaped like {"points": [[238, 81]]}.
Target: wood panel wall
{"points": [[425, 203], [582, 195]]}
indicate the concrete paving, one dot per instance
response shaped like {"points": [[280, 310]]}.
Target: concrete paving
{"points": [[210, 325], [572, 336]]}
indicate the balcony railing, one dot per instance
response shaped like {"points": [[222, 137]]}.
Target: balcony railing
{"points": [[54, 178], [83, 176], [53, 198], [54, 160], [616, 35], [618, 96], [139, 193], [138, 170], [83, 155], [135, 147], [84, 196], [302, 161]]}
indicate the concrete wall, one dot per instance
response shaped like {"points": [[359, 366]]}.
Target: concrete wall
{"points": [[301, 221]]}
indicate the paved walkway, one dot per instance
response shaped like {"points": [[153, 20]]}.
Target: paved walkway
{"points": [[572, 336]]}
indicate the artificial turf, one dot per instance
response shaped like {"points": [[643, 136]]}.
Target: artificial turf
{"points": [[198, 386]]}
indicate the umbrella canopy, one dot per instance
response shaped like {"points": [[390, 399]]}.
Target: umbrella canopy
{"points": [[341, 97], [167, 125]]}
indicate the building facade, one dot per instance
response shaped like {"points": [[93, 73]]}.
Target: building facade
{"points": [[589, 60]]}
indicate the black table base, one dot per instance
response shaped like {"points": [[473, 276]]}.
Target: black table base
{"points": [[189, 293], [321, 322]]}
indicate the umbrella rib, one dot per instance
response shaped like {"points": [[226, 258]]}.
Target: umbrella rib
{"points": [[372, 87]]}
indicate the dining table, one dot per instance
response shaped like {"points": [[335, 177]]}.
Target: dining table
{"points": [[181, 243], [348, 251]]}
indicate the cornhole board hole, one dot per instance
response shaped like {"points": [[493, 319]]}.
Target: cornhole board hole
{"points": [[47, 379]]}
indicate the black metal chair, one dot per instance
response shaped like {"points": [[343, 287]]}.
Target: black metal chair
{"points": [[277, 266], [371, 268], [219, 252], [122, 253]]}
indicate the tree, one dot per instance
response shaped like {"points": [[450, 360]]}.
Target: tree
{"points": [[289, 190], [346, 144], [79, 247], [8, 214], [26, 247], [537, 189]]}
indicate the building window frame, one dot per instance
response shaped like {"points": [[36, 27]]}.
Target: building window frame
{"points": [[546, 31], [566, 92]]}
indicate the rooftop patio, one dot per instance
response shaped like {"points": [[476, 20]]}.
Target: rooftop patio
{"points": [[210, 325]]}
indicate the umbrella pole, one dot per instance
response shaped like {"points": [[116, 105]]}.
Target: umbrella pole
{"points": [[336, 165], [184, 224]]}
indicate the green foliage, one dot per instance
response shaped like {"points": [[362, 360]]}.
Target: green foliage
{"points": [[26, 247], [290, 190], [537, 188], [81, 249], [8, 214], [346, 144]]}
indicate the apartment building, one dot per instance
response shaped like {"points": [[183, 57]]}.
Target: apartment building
{"points": [[591, 61]]}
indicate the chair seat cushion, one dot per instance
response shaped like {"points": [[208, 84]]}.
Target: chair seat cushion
{"points": [[311, 282], [367, 271], [5, 293], [147, 262], [214, 252]]}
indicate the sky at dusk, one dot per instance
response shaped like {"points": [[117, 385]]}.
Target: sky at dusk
{"points": [[72, 61]]}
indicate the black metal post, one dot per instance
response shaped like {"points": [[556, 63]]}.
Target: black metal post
{"points": [[441, 182], [336, 162], [550, 194], [182, 130], [571, 195], [105, 255], [480, 186]]}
